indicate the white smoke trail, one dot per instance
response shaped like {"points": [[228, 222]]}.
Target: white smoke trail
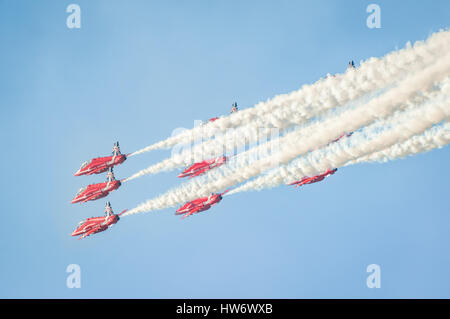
{"points": [[311, 100], [317, 134], [396, 141], [435, 137], [367, 78]]}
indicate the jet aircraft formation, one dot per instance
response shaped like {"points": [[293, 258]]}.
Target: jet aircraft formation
{"points": [[100, 165]]}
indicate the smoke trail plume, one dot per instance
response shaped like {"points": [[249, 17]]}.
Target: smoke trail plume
{"points": [[311, 100], [318, 134], [397, 141], [436, 137]]}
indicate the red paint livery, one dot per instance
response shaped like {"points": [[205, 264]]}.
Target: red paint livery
{"points": [[342, 136], [314, 179], [96, 191], [199, 205], [202, 167], [101, 164], [95, 225]]}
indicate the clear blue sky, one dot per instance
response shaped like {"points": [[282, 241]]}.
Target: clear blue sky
{"points": [[137, 70]]}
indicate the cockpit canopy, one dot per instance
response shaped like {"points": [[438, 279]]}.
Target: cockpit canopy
{"points": [[116, 148], [84, 165]]}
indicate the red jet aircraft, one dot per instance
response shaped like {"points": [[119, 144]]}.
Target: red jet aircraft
{"points": [[101, 164], [95, 225], [314, 179], [199, 205], [234, 108], [202, 167], [213, 119], [342, 136], [96, 191]]}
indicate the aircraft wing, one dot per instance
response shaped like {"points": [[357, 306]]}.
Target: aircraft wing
{"points": [[187, 215], [89, 232]]}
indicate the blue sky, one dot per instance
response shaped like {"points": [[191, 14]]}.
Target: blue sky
{"points": [[137, 70]]}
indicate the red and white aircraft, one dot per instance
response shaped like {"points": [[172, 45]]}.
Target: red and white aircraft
{"points": [[202, 167], [234, 108], [342, 136], [95, 225], [314, 179], [101, 164], [100, 190], [199, 205]]}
